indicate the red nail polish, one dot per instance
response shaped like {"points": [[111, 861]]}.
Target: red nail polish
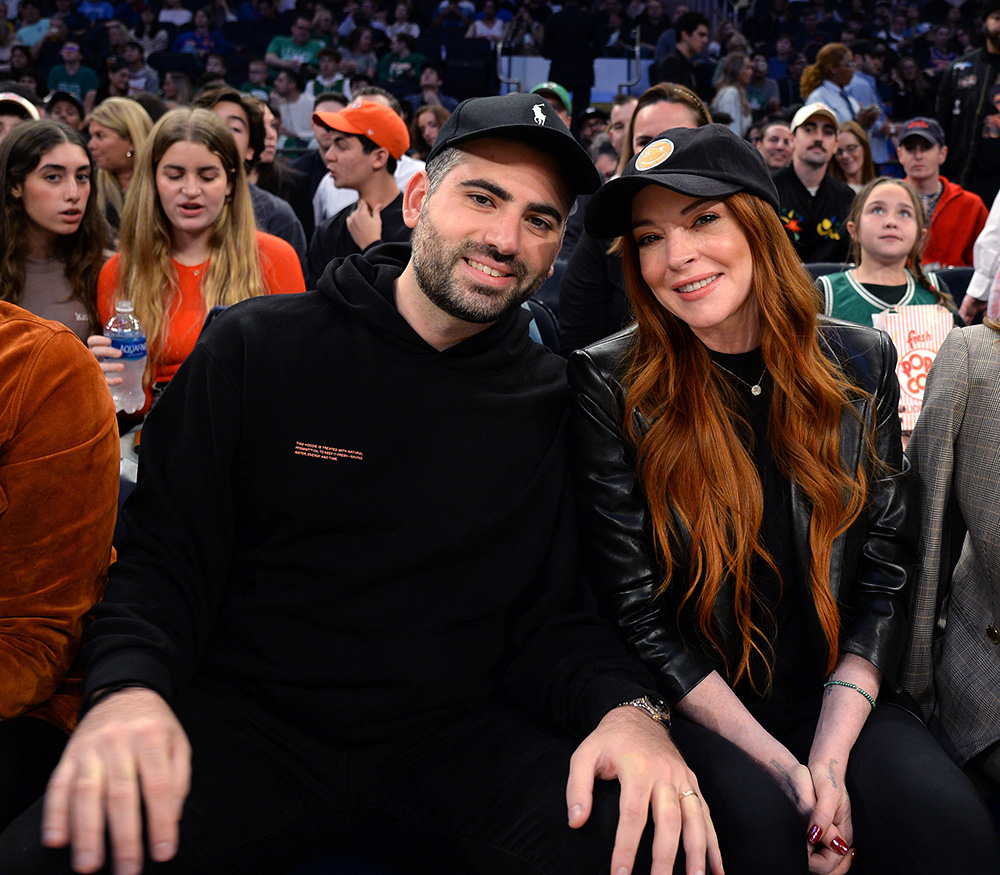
{"points": [[840, 846], [854, 853], [814, 833]]}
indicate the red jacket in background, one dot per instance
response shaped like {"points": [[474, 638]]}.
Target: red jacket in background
{"points": [[955, 225]]}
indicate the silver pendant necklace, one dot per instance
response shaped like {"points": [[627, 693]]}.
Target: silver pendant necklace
{"points": [[755, 389]]}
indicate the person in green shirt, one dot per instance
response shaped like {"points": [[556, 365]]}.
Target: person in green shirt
{"points": [[402, 64], [293, 52], [887, 225], [73, 77]]}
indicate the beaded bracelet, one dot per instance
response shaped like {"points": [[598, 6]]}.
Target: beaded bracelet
{"points": [[835, 683]]}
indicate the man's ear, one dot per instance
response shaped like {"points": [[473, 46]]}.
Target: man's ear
{"points": [[944, 154], [416, 193], [380, 158]]}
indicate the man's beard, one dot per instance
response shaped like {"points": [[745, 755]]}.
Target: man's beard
{"points": [[434, 266], [814, 160]]}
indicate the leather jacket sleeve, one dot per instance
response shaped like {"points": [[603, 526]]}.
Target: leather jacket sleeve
{"points": [[869, 571], [615, 523], [871, 565]]}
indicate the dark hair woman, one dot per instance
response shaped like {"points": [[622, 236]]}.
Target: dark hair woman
{"points": [[744, 506], [54, 247]]}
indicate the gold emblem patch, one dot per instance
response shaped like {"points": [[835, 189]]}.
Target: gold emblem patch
{"points": [[654, 154]]}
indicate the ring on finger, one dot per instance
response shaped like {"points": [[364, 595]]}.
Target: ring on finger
{"points": [[688, 793]]}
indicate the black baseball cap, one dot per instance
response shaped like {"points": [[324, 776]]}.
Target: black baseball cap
{"points": [[593, 112], [63, 96], [928, 129], [710, 161], [528, 119]]}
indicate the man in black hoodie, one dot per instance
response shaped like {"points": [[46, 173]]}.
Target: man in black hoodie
{"points": [[347, 615]]}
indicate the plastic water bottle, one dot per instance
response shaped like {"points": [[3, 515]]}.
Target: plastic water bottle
{"points": [[127, 335]]}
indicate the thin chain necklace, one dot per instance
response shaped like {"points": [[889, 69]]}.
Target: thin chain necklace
{"points": [[930, 200], [755, 389]]}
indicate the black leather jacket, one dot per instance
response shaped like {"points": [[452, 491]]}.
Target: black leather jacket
{"points": [[869, 570]]}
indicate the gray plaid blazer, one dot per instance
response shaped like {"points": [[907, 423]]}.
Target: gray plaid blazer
{"points": [[954, 672]]}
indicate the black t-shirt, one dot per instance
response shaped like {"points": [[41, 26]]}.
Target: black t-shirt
{"points": [[332, 238], [889, 294], [782, 606], [986, 166]]}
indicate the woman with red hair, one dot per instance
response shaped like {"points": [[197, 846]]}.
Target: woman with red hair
{"points": [[744, 503]]}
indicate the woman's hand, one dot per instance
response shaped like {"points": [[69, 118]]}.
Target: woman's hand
{"points": [[796, 783], [101, 347], [831, 832], [842, 715]]}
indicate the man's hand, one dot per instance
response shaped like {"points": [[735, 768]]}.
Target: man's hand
{"points": [[365, 224], [971, 308], [633, 748], [129, 744], [868, 115]]}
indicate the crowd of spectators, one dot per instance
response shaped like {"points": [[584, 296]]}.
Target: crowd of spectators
{"points": [[749, 66], [300, 124]]}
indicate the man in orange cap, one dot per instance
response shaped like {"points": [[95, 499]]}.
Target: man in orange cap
{"points": [[368, 140]]}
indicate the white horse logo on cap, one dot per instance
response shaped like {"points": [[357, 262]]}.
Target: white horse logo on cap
{"points": [[539, 115]]}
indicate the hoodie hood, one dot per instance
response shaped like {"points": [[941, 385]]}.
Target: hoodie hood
{"points": [[363, 286]]}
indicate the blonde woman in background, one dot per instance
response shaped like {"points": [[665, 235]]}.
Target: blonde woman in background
{"points": [[188, 244], [118, 129], [177, 89], [731, 93]]}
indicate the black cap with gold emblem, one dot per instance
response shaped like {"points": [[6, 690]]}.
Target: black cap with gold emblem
{"points": [[710, 161], [528, 119]]}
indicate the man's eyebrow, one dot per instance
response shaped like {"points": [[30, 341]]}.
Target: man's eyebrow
{"points": [[491, 187], [504, 195]]}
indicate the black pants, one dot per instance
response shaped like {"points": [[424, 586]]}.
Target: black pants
{"points": [[912, 808], [29, 751], [484, 792]]}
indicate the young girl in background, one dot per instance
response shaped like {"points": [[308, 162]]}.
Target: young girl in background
{"points": [[887, 225], [52, 254], [188, 244]]}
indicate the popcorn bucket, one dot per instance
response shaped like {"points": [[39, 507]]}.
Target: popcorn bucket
{"points": [[917, 330]]}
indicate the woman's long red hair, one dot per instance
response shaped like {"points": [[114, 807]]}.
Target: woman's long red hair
{"points": [[698, 477]]}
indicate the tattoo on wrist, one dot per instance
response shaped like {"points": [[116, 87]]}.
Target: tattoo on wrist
{"points": [[787, 778], [830, 773]]}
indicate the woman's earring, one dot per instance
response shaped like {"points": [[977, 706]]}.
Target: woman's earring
{"points": [[128, 154]]}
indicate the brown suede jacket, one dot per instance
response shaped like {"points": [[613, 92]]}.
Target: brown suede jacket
{"points": [[58, 502]]}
